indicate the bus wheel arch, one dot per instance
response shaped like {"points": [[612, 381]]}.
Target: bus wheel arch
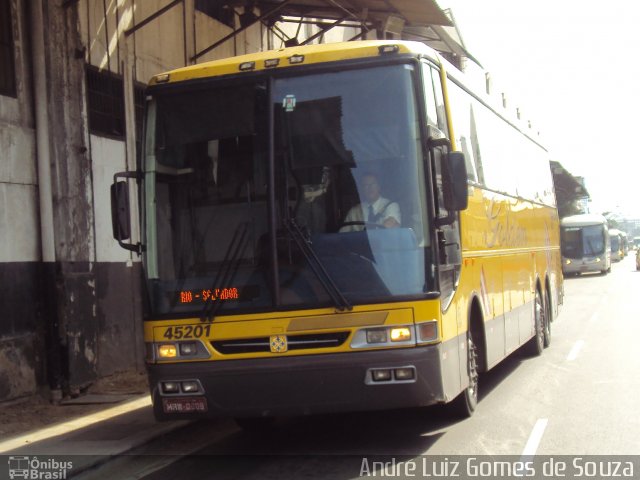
{"points": [[476, 326], [465, 403]]}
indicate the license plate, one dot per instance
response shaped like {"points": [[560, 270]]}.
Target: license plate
{"points": [[184, 405]]}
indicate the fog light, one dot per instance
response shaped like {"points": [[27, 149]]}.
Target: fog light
{"points": [[377, 336], [381, 375], [404, 373], [170, 387], [189, 348], [400, 334], [190, 387], [167, 351]]}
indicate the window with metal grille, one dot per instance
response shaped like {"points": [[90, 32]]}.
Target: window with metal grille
{"points": [[106, 103], [7, 64], [216, 9]]}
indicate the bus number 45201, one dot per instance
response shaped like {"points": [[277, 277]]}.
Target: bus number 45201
{"points": [[187, 331]]}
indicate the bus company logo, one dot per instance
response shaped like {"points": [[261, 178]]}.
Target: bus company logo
{"points": [[278, 343], [503, 228], [33, 468]]}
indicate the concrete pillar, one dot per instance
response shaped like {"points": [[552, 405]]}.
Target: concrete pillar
{"points": [[65, 193]]}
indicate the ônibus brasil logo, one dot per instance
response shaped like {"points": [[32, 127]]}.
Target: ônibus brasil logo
{"points": [[36, 469]]}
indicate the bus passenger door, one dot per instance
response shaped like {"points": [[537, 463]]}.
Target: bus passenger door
{"points": [[447, 234], [448, 260]]}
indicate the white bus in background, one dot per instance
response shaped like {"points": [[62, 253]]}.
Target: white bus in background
{"points": [[625, 243], [615, 236], [585, 244]]}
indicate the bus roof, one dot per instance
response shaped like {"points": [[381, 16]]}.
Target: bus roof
{"points": [[292, 57], [583, 220]]}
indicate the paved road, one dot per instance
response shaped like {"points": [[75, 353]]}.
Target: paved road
{"points": [[579, 398]]}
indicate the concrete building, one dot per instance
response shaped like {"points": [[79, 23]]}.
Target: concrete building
{"points": [[72, 76]]}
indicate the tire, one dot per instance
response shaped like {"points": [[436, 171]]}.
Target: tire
{"points": [[535, 345], [547, 322], [465, 403]]}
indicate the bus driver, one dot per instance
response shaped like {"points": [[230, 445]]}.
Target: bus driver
{"points": [[375, 209]]}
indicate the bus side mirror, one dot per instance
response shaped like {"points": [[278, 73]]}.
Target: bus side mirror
{"points": [[456, 182], [121, 211], [453, 173]]}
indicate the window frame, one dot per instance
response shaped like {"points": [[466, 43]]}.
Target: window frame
{"points": [[8, 84]]}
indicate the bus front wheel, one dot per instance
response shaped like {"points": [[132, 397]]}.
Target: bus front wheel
{"points": [[465, 404], [535, 346]]}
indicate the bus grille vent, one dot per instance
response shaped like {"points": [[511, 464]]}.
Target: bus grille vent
{"points": [[294, 342]]}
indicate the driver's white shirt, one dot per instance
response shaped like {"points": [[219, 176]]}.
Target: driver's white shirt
{"points": [[359, 213]]}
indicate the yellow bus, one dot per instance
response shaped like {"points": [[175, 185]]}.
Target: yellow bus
{"points": [[335, 227]]}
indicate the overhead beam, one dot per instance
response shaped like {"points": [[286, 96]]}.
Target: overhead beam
{"points": [[241, 29], [152, 17], [324, 29]]}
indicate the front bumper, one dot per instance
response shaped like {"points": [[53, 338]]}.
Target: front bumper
{"points": [[305, 384], [580, 266]]}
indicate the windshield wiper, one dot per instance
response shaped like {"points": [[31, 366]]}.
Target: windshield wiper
{"points": [[230, 265], [316, 265]]}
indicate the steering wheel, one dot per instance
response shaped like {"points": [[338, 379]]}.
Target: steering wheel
{"points": [[366, 225]]}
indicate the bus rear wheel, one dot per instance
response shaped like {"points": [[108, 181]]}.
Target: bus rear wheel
{"points": [[547, 321]]}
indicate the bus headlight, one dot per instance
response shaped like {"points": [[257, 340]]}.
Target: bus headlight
{"points": [[391, 336], [167, 350], [400, 334], [378, 335], [567, 261], [186, 350]]}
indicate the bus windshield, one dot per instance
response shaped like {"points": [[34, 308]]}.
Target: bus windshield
{"points": [[579, 242], [615, 243], [257, 193]]}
